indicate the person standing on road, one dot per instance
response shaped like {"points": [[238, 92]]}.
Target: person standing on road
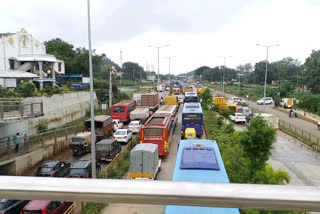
{"points": [[290, 112], [16, 141], [295, 113]]}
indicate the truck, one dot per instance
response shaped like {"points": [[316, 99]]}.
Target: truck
{"points": [[187, 89], [141, 113], [286, 103], [200, 90], [221, 101], [150, 100], [171, 100], [81, 143], [176, 91], [144, 161], [103, 126]]}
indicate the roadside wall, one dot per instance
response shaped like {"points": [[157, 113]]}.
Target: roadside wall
{"points": [[58, 110]]}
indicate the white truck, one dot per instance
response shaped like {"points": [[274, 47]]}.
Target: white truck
{"points": [[144, 161], [141, 114], [238, 118]]}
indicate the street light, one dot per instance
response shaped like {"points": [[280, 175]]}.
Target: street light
{"points": [[93, 147], [169, 58], [266, 73], [224, 70], [158, 47]]}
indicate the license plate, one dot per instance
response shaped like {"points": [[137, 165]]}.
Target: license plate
{"points": [[190, 135], [119, 138]]}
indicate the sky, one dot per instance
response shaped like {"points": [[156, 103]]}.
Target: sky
{"points": [[198, 32]]}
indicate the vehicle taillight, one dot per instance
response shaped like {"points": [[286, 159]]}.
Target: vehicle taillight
{"points": [[182, 128], [125, 137], [4, 212], [237, 117], [114, 137], [67, 176], [86, 176], [43, 212], [52, 173]]}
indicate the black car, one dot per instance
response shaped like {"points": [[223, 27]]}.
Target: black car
{"points": [[11, 206], [107, 149], [53, 168], [249, 117], [82, 169]]}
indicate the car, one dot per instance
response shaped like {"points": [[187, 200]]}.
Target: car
{"points": [[268, 100], [82, 169], [122, 135], [135, 126], [249, 117], [117, 124], [53, 168], [107, 149], [45, 207], [8, 206], [238, 118]]}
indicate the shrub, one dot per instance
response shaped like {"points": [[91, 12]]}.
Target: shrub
{"points": [[42, 127], [28, 89]]}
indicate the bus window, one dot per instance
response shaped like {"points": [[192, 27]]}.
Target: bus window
{"points": [[118, 109], [152, 132], [192, 117]]}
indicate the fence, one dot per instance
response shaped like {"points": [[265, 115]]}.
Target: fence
{"points": [[18, 109], [29, 143], [115, 162], [303, 135]]}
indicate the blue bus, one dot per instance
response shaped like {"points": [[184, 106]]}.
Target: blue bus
{"points": [[191, 97], [199, 161], [192, 117]]}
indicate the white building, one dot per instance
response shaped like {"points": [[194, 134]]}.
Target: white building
{"points": [[22, 57]]}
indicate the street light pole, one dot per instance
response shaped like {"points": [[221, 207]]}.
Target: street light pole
{"points": [[169, 58], [93, 146], [224, 70], [266, 73], [158, 48]]}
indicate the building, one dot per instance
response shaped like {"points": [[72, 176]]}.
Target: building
{"points": [[24, 58]]}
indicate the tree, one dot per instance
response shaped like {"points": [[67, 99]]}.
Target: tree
{"points": [[206, 99], [28, 89], [257, 142], [312, 71]]}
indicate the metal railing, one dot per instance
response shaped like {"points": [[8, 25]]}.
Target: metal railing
{"points": [[301, 134], [29, 143], [18, 109], [249, 196]]}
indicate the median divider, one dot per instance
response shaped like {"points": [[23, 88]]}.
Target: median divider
{"points": [[115, 162], [308, 138]]}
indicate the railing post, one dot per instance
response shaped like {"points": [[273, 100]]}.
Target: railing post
{"points": [[1, 111], [32, 113], [26, 146], [42, 139], [41, 107], [21, 109]]}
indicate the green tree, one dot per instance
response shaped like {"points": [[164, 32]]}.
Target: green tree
{"points": [[206, 99], [312, 71], [257, 142], [28, 89]]}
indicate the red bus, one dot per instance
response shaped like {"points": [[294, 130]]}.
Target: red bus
{"points": [[121, 110], [159, 129]]}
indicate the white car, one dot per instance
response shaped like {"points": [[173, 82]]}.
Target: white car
{"points": [[238, 118], [117, 124], [268, 100], [180, 99], [135, 126], [123, 135]]}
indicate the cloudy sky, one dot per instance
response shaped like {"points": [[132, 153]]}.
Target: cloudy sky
{"points": [[198, 32]]}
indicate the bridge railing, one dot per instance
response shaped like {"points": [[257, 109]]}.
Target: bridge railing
{"points": [[18, 109], [248, 196]]}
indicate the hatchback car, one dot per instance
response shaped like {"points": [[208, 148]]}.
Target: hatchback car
{"points": [[53, 168], [117, 124], [11, 206], [46, 207], [82, 169], [122, 135], [268, 100], [135, 126]]}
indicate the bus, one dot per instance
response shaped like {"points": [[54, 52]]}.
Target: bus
{"points": [[159, 128], [192, 117], [121, 110], [199, 161], [187, 89], [191, 97]]}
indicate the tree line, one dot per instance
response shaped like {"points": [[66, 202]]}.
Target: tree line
{"points": [[287, 72]]}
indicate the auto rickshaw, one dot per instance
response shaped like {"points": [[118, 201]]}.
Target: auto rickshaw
{"points": [[190, 133]]}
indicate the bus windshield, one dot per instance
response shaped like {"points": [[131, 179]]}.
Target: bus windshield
{"points": [[118, 109], [191, 99], [192, 118], [152, 132]]}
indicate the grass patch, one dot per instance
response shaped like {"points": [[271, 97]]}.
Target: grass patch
{"points": [[94, 208]]}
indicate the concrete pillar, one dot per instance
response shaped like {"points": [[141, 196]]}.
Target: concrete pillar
{"points": [[53, 74], [41, 75]]}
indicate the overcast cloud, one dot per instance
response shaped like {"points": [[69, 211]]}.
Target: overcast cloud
{"points": [[198, 31]]}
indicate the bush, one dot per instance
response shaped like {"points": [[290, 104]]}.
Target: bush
{"points": [[42, 127], [28, 89], [94, 208]]}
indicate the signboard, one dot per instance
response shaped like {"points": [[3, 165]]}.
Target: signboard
{"points": [[104, 106], [85, 79], [10, 83]]}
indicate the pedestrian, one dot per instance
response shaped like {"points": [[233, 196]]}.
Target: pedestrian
{"points": [[16, 141], [161, 101], [295, 113], [290, 112], [305, 112]]}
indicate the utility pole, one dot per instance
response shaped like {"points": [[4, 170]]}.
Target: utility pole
{"points": [[158, 51], [224, 70], [169, 59], [266, 73], [93, 145], [120, 67], [110, 87]]}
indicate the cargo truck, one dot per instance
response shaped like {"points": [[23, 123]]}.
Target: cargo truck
{"points": [[144, 161], [150, 100], [221, 101], [103, 126], [81, 143], [141, 113]]}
